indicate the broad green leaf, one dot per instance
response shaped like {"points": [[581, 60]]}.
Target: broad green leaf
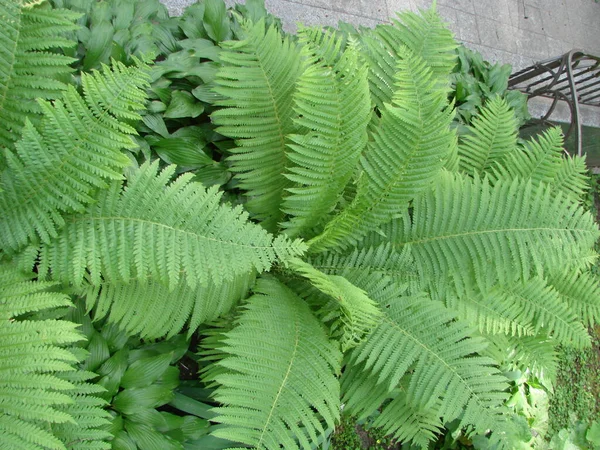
{"points": [[182, 105], [146, 371], [216, 22]]}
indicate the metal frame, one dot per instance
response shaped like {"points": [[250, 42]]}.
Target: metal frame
{"points": [[573, 78]]}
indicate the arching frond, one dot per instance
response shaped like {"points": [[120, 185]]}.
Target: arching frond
{"points": [[543, 160], [359, 314], [174, 232], [424, 34], [296, 366], [536, 354], [466, 226], [28, 67], [76, 149], [491, 138], [407, 151], [409, 422], [581, 291], [419, 335], [34, 391], [153, 311], [333, 105], [258, 79]]}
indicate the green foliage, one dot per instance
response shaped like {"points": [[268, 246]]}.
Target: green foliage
{"points": [[30, 67], [410, 272], [297, 365], [41, 396], [69, 166]]}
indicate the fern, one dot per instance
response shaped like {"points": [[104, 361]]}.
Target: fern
{"points": [[164, 230], [28, 69], [359, 313], [423, 34], [490, 138], [543, 161], [333, 104], [152, 310], [35, 390], [296, 366], [419, 334], [464, 226], [258, 79], [580, 290], [405, 155], [76, 150]]}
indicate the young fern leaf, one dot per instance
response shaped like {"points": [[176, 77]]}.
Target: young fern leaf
{"points": [[28, 70], [76, 149], [406, 153], [258, 79], [424, 34], [491, 138], [33, 390], [333, 105], [174, 232], [153, 311], [280, 396], [543, 161], [466, 226], [359, 314]]}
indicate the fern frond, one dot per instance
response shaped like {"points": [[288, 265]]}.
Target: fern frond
{"points": [[409, 422], [491, 138], [359, 314], [277, 397], [535, 354], [333, 105], [28, 69], [489, 311], [406, 153], [543, 161], [424, 34], [258, 79], [33, 394], [421, 336], [581, 292], [153, 311], [572, 176], [173, 232], [76, 149], [466, 226]]}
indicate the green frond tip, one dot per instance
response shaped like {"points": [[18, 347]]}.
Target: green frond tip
{"points": [[29, 69], [283, 395], [333, 105], [404, 155], [33, 393], [425, 34], [170, 231], [465, 226], [76, 149], [491, 138], [543, 160], [258, 79], [359, 314]]}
